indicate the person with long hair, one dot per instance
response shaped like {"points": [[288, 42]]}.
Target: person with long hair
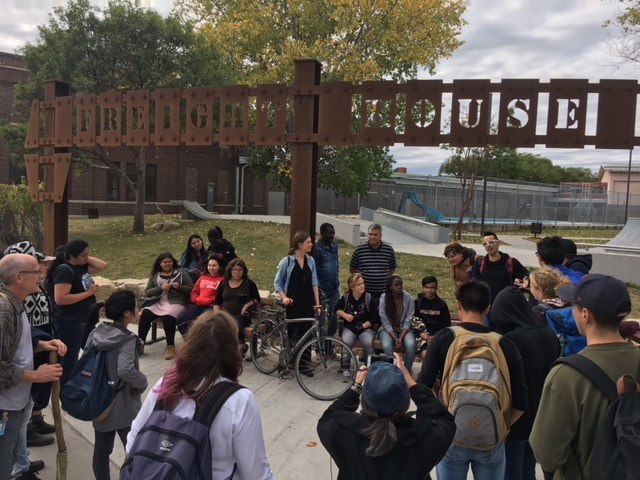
{"points": [[203, 295], [74, 293], [384, 440], [396, 313], [171, 286], [211, 355], [123, 369], [461, 260], [296, 283], [539, 347], [194, 258], [359, 312], [237, 295]]}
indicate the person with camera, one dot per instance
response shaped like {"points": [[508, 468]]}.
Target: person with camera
{"points": [[384, 440]]}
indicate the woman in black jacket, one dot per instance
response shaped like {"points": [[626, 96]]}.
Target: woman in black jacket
{"points": [[384, 441]]}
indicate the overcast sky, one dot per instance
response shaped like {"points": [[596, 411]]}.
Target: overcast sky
{"points": [[503, 39]]}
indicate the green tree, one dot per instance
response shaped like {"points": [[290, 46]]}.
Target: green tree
{"points": [[355, 41], [123, 47]]}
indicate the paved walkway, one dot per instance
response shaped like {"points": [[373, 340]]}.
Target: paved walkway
{"points": [[289, 416]]}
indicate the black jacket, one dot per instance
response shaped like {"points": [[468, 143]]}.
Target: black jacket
{"points": [[422, 441], [538, 345], [497, 274], [580, 263]]}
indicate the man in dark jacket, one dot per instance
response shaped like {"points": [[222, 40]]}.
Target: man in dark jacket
{"points": [[421, 441], [577, 263], [496, 268]]}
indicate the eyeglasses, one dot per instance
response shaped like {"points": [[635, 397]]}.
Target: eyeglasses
{"points": [[238, 270], [537, 254], [490, 242], [451, 257], [35, 272]]}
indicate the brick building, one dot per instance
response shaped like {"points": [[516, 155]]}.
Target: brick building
{"points": [[210, 176]]}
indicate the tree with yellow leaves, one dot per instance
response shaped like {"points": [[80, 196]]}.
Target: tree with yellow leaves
{"points": [[355, 40]]}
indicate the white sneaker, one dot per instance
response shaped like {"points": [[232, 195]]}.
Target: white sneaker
{"points": [[346, 373]]}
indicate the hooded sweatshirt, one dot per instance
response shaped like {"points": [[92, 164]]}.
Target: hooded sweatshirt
{"points": [[580, 263], [422, 441], [123, 368], [538, 346]]}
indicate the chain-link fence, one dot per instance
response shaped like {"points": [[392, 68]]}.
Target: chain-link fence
{"points": [[504, 201]]}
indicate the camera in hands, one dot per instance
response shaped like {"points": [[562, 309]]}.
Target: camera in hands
{"points": [[371, 359]]}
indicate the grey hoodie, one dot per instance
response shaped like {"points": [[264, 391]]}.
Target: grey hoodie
{"points": [[123, 365]]}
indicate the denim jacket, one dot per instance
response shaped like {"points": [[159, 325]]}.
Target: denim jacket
{"points": [[285, 267], [328, 267]]}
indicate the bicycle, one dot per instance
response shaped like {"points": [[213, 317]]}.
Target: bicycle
{"points": [[324, 367]]}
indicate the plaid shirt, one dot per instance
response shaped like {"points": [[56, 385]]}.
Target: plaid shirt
{"points": [[10, 334]]}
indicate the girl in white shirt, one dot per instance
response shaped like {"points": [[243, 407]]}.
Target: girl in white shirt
{"points": [[211, 354]]}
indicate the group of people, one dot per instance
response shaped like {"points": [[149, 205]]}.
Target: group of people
{"points": [[541, 412]]}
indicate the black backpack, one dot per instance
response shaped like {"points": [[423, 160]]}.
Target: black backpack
{"points": [[616, 448], [169, 446]]}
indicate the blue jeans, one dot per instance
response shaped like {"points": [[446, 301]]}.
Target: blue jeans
{"points": [[8, 441], [388, 345], [520, 460], [73, 332], [22, 461], [366, 340], [485, 464]]}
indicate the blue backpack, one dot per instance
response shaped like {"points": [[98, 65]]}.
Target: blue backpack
{"points": [[564, 325], [88, 393], [169, 446]]}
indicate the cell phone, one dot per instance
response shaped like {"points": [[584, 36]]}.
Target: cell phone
{"points": [[371, 359]]}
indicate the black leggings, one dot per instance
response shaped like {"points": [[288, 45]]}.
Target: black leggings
{"points": [[168, 323], [103, 447]]}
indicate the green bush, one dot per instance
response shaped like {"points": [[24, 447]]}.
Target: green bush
{"points": [[20, 217]]}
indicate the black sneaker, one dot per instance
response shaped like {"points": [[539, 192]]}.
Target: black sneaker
{"points": [[35, 439], [27, 476], [35, 466]]}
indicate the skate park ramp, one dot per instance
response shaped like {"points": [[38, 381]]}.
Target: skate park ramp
{"points": [[620, 258], [193, 211]]}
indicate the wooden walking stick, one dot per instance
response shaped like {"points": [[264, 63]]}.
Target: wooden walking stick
{"points": [[61, 458]]}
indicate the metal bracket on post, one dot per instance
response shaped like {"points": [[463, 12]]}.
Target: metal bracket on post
{"points": [[60, 162]]}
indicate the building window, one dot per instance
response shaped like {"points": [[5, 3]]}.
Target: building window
{"points": [[150, 183], [113, 185]]}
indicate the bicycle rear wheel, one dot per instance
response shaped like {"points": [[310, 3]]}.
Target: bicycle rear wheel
{"points": [[267, 342], [325, 371]]}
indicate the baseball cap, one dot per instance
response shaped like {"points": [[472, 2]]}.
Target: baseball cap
{"points": [[601, 294], [385, 390]]}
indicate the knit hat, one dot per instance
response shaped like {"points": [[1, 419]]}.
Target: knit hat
{"points": [[601, 294], [27, 247], [385, 390], [570, 248]]}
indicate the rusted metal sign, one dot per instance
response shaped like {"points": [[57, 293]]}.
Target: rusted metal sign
{"points": [[463, 113]]}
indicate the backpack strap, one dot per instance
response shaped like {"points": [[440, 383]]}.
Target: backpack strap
{"points": [[510, 266], [481, 262], [593, 372], [207, 411]]}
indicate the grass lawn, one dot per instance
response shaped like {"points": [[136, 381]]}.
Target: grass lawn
{"points": [[260, 244]]}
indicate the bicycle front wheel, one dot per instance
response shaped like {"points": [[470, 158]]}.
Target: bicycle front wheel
{"points": [[267, 342], [326, 370]]}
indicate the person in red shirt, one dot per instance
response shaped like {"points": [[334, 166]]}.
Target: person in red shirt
{"points": [[203, 295]]}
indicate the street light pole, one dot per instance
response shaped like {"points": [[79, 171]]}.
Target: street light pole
{"points": [[626, 204]]}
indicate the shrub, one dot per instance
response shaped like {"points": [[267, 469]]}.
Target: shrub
{"points": [[20, 217]]}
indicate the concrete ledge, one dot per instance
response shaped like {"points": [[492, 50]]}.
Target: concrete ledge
{"points": [[346, 230], [426, 231], [623, 266]]}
